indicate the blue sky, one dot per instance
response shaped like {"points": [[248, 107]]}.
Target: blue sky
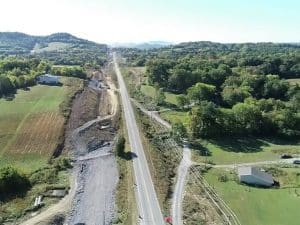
{"points": [[109, 21]]}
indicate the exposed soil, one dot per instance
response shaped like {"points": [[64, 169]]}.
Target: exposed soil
{"points": [[96, 167], [84, 108]]}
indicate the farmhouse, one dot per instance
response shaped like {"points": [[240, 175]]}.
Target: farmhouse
{"points": [[254, 176], [48, 79]]}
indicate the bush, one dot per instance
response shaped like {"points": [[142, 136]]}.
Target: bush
{"points": [[62, 163], [120, 146], [223, 178], [45, 175]]}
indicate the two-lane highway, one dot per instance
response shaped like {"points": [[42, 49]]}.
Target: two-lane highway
{"points": [[148, 206]]}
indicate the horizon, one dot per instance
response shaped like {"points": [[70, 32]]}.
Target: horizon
{"points": [[135, 21], [120, 44]]}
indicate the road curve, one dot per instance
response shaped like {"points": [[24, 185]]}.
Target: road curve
{"points": [[152, 114], [148, 206]]}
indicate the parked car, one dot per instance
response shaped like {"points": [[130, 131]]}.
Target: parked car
{"points": [[286, 156], [296, 162]]}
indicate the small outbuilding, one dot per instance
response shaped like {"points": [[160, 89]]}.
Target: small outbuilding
{"points": [[254, 176], [48, 79]]}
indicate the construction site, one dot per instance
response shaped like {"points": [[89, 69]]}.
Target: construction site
{"points": [[89, 142]]}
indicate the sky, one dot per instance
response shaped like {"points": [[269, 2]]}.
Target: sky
{"points": [[111, 21]]}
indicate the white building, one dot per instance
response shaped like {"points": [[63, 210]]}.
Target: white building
{"points": [[48, 79], [254, 176]]}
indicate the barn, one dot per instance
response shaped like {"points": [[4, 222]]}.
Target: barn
{"points": [[48, 79], [254, 176]]}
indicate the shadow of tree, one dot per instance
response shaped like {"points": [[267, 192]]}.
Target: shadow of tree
{"points": [[10, 96], [6, 197], [282, 140], [200, 148], [128, 155]]}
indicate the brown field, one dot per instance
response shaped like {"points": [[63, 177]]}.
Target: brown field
{"points": [[39, 134]]}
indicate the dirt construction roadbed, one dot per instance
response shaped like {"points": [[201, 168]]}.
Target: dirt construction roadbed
{"points": [[94, 198]]}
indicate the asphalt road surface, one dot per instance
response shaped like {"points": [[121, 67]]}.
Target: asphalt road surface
{"points": [[180, 186], [182, 171], [148, 206]]}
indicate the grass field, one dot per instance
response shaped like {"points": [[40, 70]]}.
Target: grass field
{"points": [[30, 126], [258, 206], [294, 81], [239, 150], [175, 116], [150, 91], [53, 46]]}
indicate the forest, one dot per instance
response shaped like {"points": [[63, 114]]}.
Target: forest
{"points": [[229, 89]]}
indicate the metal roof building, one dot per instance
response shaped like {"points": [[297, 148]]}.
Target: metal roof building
{"points": [[254, 176], [48, 79]]}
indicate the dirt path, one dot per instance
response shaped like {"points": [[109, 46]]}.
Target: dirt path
{"points": [[233, 166], [63, 206]]}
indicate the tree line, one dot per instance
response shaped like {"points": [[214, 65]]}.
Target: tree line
{"points": [[21, 72], [231, 89]]}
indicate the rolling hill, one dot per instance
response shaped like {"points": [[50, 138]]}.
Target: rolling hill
{"points": [[60, 48]]}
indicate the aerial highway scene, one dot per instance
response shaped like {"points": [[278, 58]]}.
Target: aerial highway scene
{"points": [[147, 112]]}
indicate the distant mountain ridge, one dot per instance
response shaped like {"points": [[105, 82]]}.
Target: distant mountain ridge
{"points": [[143, 45], [12, 43]]}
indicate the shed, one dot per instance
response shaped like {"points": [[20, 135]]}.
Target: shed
{"points": [[48, 79], [254, 176]]}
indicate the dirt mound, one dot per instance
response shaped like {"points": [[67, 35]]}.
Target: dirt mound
{"points": [[84, 108]]}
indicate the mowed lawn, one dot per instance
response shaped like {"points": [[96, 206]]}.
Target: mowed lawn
{"points": [[247, 149], [30, 126], [259, 206]]}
